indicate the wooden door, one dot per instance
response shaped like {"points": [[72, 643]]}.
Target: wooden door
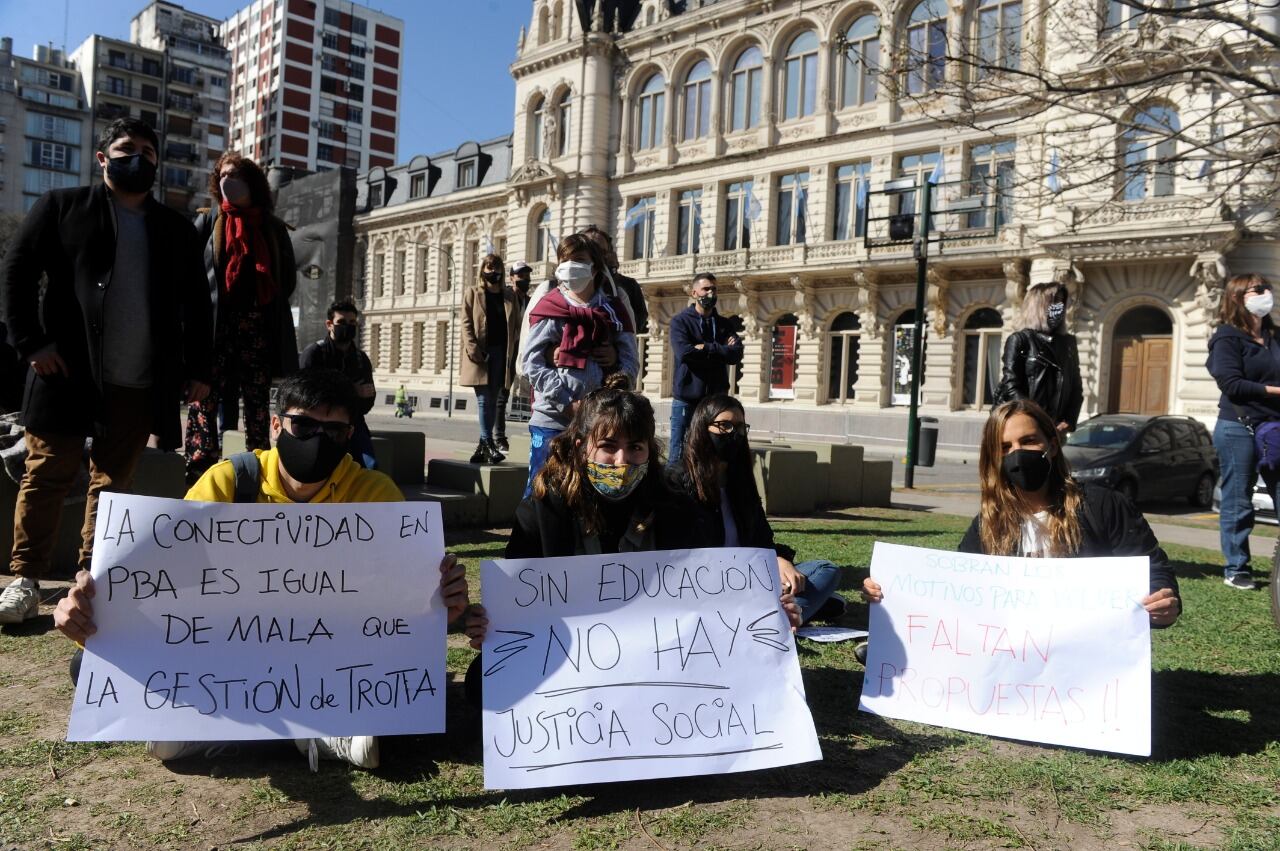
{"points": [[1140, 372]]}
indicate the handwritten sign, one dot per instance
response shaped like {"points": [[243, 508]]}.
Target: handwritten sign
{"points": [[1046, 650], [639, 665], [259, 621]]}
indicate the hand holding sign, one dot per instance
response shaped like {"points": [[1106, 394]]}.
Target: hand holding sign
{"points": [[638, 665]]}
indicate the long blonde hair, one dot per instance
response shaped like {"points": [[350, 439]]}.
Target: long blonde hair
{"points": [[1003, 510], [1035, 305]]}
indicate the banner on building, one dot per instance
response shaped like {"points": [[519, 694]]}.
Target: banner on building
{"points": [[782, 363]]}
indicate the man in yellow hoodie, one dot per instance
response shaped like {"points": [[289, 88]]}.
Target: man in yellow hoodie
{"points": [[309, 463]]}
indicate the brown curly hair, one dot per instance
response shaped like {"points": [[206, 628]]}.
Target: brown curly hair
{"points": [[248, 171]]}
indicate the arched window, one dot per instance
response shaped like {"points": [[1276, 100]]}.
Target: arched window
{"points": [[557, 20], [542, 248], [564, 121], [799, 83], [537, 127], [398, 269], [744, 89], [544, 25], [1147, 151], [999, 36], [379, 272], [650, 107], [842, 357], [444, 262], [697, 102], [981, 358], [926, 46], [861, 62]]}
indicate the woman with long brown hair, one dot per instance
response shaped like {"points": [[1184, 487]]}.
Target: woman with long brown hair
{"points": [[490, 329], [1031, 507], [252, 274], [1244, 358]]}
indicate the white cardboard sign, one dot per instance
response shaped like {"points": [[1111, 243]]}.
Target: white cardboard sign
{"points": [[222, 621], [639, 665], [1045, 650]]}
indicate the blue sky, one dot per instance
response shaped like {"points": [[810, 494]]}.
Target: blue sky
{"points": [[455, 88]]}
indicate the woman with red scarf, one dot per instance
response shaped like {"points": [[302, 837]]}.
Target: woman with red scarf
{"points": [[249, 260]]}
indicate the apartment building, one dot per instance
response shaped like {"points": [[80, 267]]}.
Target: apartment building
{"points": [[315, 85], [45, 126]]}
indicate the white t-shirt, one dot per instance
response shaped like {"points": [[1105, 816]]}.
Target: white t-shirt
{"points": [[1035, 536]]}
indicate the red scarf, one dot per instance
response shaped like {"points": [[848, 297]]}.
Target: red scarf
{"points": [[248, 256], [585, 327]]}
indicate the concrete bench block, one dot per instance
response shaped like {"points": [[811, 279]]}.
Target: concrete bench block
{"points": [[877, 483], [457, 508], [409, 455], [501, 484], [785, 478]]}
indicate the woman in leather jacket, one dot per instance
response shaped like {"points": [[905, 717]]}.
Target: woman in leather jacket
{"points": [[1041, 362]]}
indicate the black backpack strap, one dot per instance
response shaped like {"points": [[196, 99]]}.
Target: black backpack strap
{"points": [[247, 470]]}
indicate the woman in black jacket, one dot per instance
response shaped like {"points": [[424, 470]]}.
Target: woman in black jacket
{"points": [[251, 271], [1032, 508], [716, 474], [1041, 362], [1244, 358]]}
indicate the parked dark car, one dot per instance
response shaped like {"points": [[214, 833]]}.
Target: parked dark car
{"points": [[1145, 458]]}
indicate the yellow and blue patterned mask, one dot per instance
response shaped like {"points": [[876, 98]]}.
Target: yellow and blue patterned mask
{"points": [[615, 481]]}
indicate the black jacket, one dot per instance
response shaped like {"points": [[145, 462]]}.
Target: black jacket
{"points": [[1111, 526], [70, 236], [1044, 369], [282, 345], [751, 521], [353, 363], [1243, 369], [702, 372], [655, 519]]}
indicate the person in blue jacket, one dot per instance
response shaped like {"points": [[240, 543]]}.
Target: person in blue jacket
{"points": [[705, 345], [1244, 358]]}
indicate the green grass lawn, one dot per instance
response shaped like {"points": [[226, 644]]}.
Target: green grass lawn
{"points": [[1213, 779]]}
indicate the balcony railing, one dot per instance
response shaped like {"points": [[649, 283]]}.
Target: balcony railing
{"points": [[185, 104]]}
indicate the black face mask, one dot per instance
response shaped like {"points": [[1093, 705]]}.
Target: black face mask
{"points": [[522, 284], [131, 173], [344, 333], [1027, 469], [729, 447], [493, 277], [309, 460], [706, 302]]}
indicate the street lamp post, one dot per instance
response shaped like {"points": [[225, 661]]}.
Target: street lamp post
{"points": [[921, 249]]}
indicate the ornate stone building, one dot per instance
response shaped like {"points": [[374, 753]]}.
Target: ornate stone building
{"points": [[755, 139]]}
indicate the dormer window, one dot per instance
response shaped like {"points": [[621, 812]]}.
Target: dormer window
{"points": [[417, 185], [375, 195], [467, 174]]}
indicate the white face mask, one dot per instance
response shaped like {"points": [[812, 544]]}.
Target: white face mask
{"points": [[574, 275], [1260, 305]]}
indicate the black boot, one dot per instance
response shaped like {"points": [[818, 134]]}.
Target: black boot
{"points": [[481, 455], [501, 442], [495, 457]]}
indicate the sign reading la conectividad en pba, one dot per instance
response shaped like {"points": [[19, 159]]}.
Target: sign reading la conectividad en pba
{"points": [[1046, 650], [638, 665], [222, 621]]}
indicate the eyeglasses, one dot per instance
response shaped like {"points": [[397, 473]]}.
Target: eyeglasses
{"points": [[302, 426], [730, 427]]}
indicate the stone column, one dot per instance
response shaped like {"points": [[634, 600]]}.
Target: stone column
{"points": [[1015, 287], [717, 103], [753, 385], [768, 120], [938, 384], [872, 388], [808, 342]]}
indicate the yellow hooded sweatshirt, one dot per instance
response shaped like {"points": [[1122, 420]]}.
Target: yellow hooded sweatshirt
{"points": [[349, 483]]}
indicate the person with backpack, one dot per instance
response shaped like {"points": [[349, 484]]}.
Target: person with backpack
{"points": [[249, 262], [578, 333], [1031, 507], [1244, 358], [339, 349], [308, 464], [1041, 360]]}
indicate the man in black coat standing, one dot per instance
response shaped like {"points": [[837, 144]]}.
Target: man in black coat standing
{"points": [[704, 345], [123, 330], [339, 350]]}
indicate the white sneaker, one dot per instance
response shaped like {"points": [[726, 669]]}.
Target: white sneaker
{"points": [[360, 751], [19, 601], [165, 751]]}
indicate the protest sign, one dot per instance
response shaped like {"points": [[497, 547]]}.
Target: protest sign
{"points": [[222, 621], [639, 665], [1047, 650]]}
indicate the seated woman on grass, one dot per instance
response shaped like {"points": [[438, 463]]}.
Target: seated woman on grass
{"points": [[715, 472], [1032, 507], [602, 491]]}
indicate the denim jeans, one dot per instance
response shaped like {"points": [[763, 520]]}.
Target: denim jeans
{"points": [[500, 421], [680, 413], [820, 580], [539, 448], [1239, 463], [487, 395]]}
